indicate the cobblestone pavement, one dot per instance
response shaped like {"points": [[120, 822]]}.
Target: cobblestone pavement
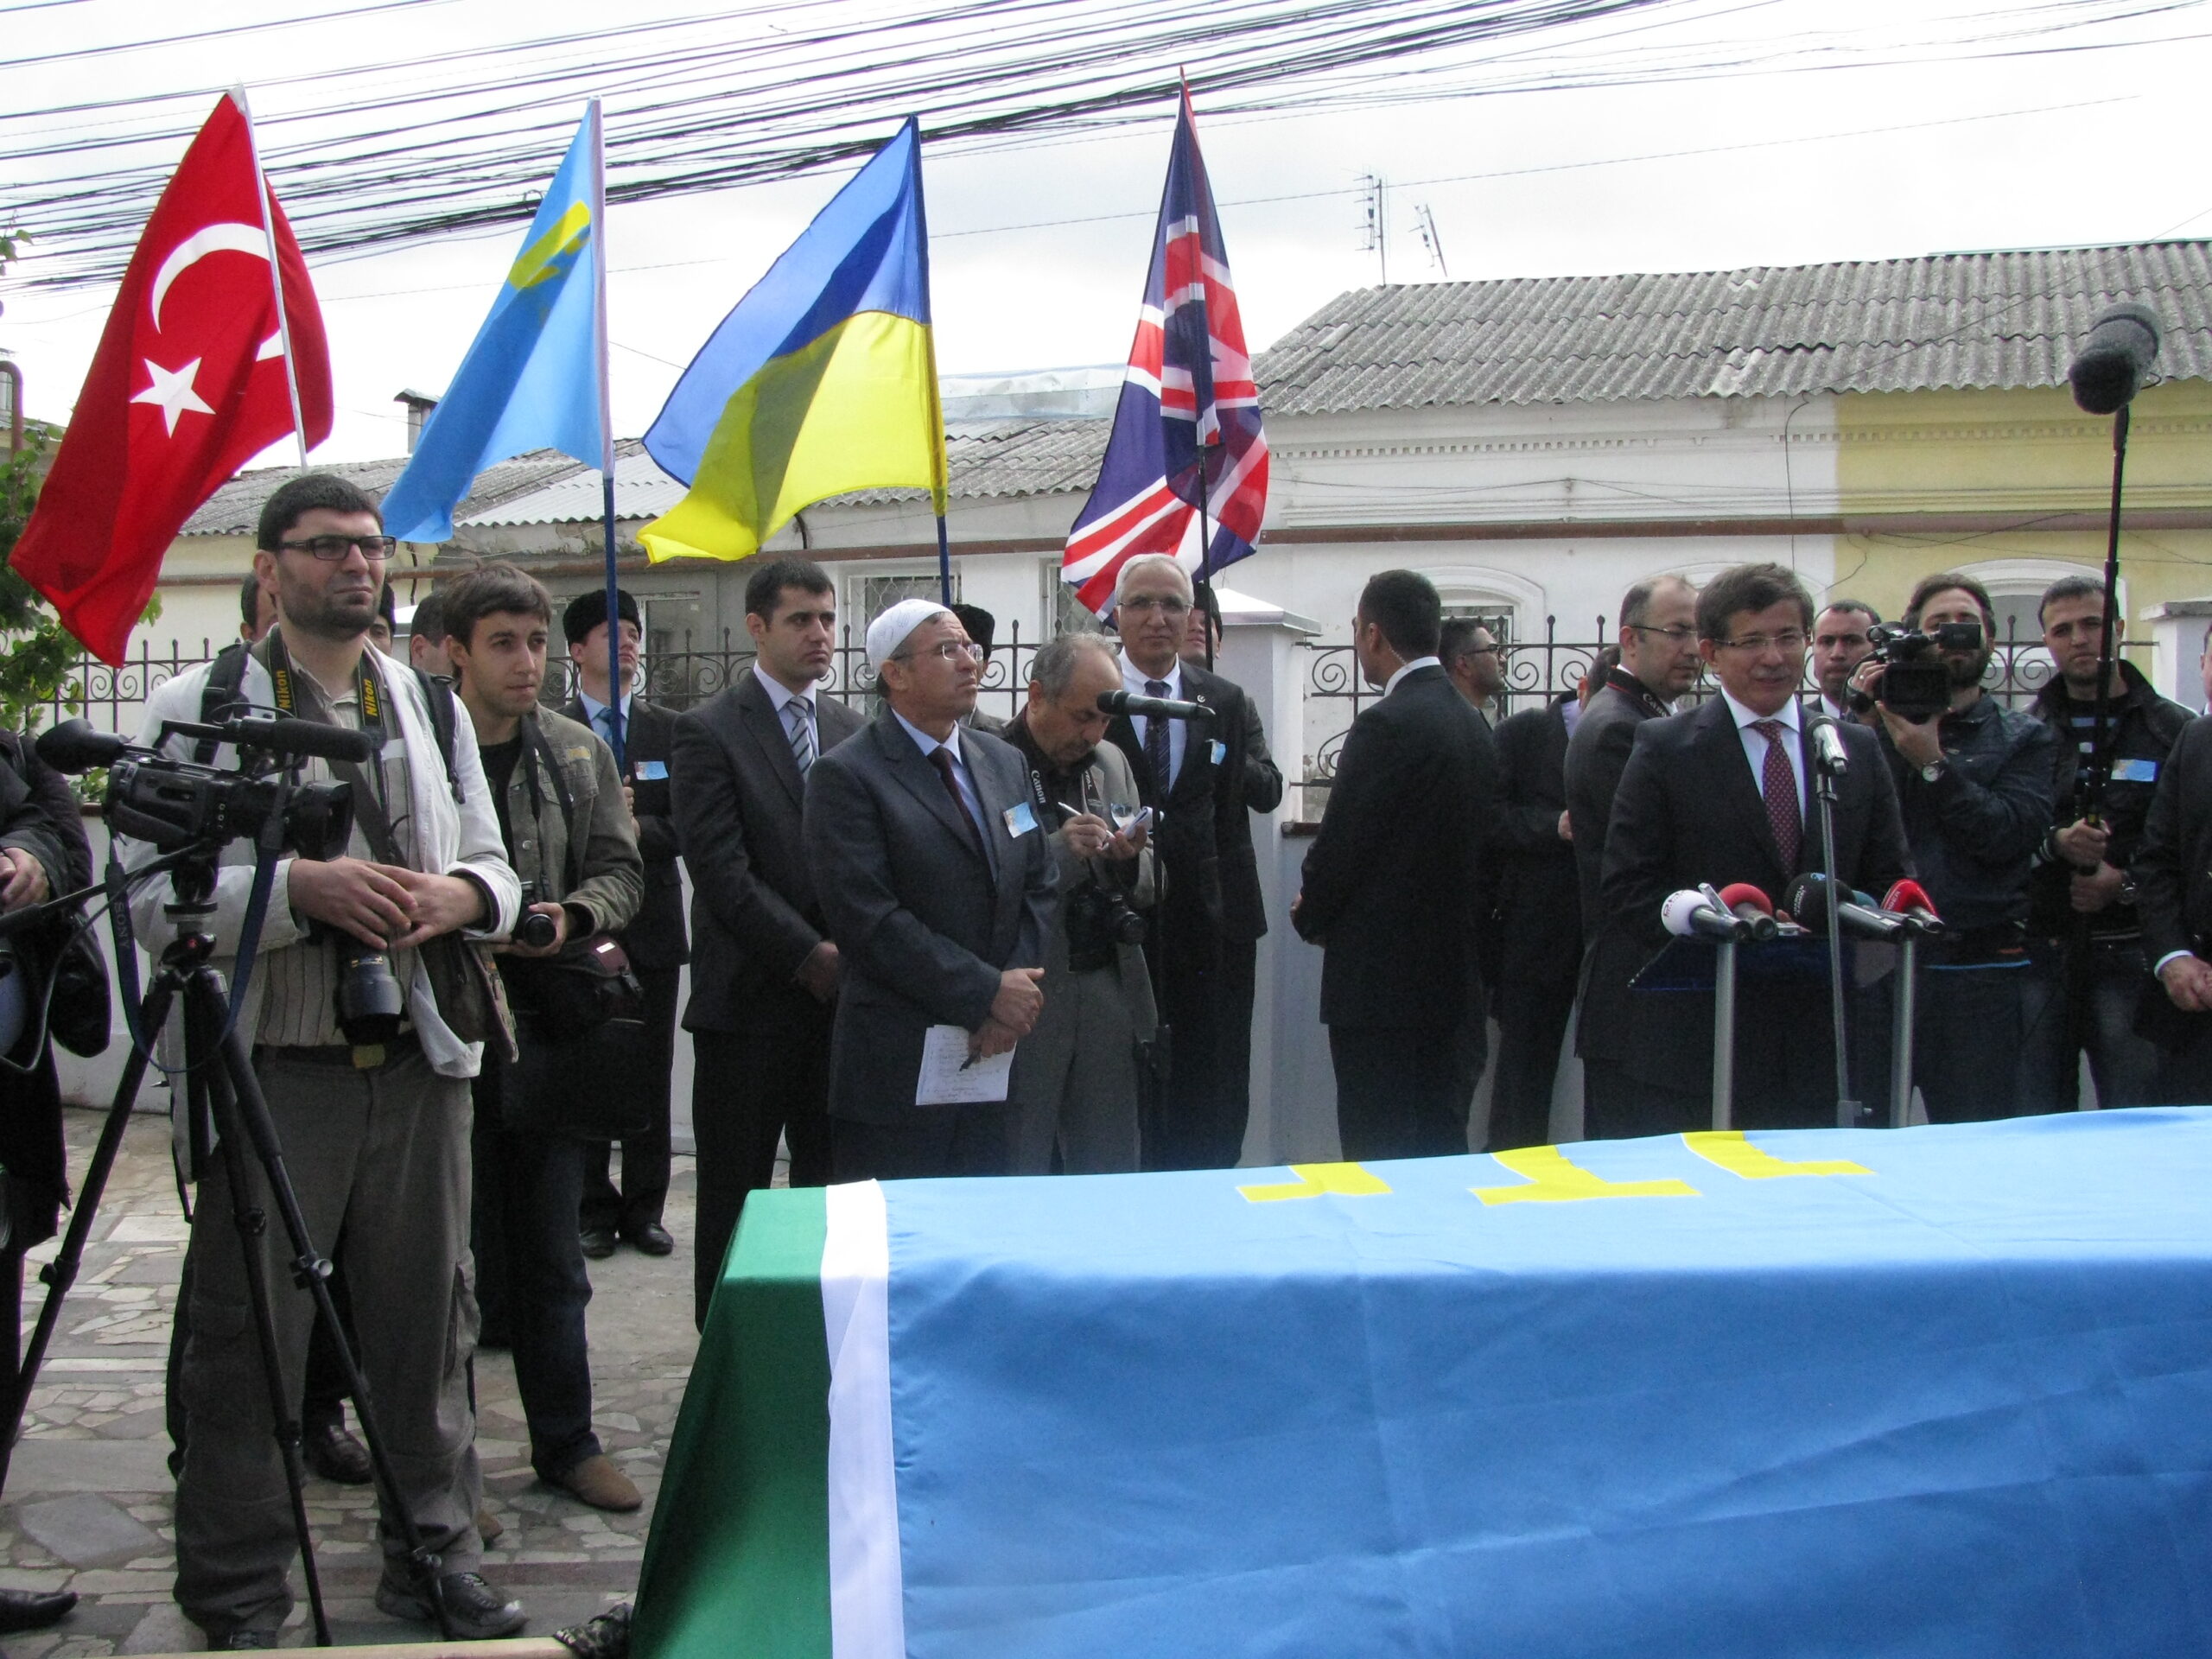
{"points": [[87, 1505]]}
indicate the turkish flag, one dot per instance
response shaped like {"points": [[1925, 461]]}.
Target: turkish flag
{"points": [[188, 385]]}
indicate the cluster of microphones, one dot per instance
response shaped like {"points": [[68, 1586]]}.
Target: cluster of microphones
{"points": [[1741, 914]]}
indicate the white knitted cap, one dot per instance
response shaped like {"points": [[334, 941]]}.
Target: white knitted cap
{"points": [[888, 632]]}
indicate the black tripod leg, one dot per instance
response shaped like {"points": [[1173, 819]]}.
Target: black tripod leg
{"points": [[311, 1272], [252, 1223], [61, 1273]]}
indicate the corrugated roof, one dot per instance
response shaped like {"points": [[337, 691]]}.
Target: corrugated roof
{"points": [[235, 509], [1963, 320], [987, 458]]}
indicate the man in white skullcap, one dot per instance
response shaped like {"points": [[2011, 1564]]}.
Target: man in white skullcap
{"points": [[927, 846]]}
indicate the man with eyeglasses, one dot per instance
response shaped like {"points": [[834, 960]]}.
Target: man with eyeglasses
{"points": [[937, 881], [1720, 795], [1975, 782], [1473, 660], [376, 1136]]}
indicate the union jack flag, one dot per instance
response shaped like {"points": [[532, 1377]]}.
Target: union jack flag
{"points": [[1188, 411]]}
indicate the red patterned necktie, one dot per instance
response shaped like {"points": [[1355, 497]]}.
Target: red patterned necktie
{"points": [[1779, 782]]}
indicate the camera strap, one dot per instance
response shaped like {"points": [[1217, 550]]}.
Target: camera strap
{"points": [[297, 694], [541, 750]]}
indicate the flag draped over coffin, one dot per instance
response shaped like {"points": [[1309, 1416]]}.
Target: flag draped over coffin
{"points": [[821, 380], [1186, 431]]}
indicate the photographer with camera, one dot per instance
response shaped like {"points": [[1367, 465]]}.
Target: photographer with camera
{"points": [[1075, 1075], [1973, 779], [375, 1131], [568, 834]]}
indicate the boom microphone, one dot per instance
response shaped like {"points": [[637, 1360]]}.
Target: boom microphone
{"points": [[1690, 914], [302, 737], [2115, 359], [1910, 899], [1128, 702], [77, 745], [1751, 907], [1857, 912]]}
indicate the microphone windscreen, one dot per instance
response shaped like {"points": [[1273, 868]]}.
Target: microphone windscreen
{"points": [[2115, 358], [1909, 894], [1808, 901], [76, 745], [1742, 893], [309, 737], [1677, 914]]}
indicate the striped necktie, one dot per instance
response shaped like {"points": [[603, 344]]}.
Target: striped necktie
{"points": [[801, 713]]}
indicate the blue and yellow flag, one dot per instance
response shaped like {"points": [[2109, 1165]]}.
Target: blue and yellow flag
{"points": [[822, 379], [535, 377]]}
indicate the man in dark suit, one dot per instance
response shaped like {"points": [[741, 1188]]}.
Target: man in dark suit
{"points": [[1538, 923], [2173, 876], [764, 973], [1392, 882], [654, 939], [939, 883], [1192, 775], [1658, 663], [1259, 783], [1722, 795]]}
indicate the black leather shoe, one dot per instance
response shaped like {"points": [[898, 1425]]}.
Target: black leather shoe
{"points": [[650, 1237], [598, 1242], [332, 1453], [29, 1609], [476, 1610]]}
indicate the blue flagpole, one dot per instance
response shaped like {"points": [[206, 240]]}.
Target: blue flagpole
{"points": [[615, 724]]}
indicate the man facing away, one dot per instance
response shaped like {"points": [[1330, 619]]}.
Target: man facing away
{"points": [[939, 885], [1074, 1089], [568, 835], [654, 940], [375, 1137], [1392, 882], [764, 969]]}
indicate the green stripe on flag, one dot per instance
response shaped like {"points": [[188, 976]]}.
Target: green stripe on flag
{"points": [[738, 1561]]}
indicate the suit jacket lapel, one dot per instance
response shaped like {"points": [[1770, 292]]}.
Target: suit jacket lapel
{"points": [[1006, 897], [924, 782], [757, 711], [1738, 786]]}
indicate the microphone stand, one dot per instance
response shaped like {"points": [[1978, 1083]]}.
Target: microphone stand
{"points": [[1847, 1108], [1901, 1037], [1724, 1033]]}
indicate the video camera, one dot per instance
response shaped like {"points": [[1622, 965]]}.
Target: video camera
{"points": [[1916, 682], [173, 804]]}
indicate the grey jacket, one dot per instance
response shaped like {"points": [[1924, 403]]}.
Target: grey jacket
{"points": [[610, 871], [1112, 782]]}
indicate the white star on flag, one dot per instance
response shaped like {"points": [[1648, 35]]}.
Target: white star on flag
{"points": [[171, 392]]}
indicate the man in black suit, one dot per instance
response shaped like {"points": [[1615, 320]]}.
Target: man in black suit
{"points": [[1658, 663], [1192, 775], [1392, 882], [654, 939], [1720, 795], [2173, 878], [939, 883], [764, 973], [1538, 922], [1258, 784]]}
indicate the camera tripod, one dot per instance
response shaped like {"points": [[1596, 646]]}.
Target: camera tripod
{"points": [[224, 1096]]}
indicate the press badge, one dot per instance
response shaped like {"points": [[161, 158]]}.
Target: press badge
{"points": [[2135, 772], [1019, 819], [652, 772], [1218, 750]]}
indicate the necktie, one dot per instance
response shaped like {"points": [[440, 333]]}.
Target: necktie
{"points": [[941, 758], [801, 710], [1156, 751], [1779, 782]]}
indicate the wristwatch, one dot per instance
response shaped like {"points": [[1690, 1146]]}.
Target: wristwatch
{"points": [[1931, 772]]}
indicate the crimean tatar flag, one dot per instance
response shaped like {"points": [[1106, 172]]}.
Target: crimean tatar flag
{"points": [[535, 377], [1186, 431], [822, 379]]}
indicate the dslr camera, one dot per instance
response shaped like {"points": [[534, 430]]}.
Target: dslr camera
{"points": [[1100, 919], [1916, 681]]}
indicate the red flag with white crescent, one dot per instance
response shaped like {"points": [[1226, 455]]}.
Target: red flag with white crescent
{"points": [[188, 385]]}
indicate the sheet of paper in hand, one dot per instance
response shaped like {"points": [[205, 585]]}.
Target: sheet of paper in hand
{"points": [[950, 1079]]}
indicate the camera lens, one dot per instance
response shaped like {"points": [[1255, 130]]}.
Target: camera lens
{"points": [[535, 930], [371, 1000]]}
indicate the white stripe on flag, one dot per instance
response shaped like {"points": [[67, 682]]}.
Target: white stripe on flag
{"points": [[867, 1588]]}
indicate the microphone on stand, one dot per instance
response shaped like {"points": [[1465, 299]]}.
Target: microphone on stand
{"points": [[1751, 907], [1910, 899], [1856, 912], [1828, 745], [2114, 359], [1690, 914], [1128, 702]]}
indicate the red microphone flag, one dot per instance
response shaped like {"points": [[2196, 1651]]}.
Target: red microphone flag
{"points": [[188, 385]]}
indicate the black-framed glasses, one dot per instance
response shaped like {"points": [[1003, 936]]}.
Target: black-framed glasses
{"points": [[331, 548]]}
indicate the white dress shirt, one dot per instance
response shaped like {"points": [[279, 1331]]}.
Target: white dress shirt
{"points": [[1404, 669], [961, 775], [1754, 744], [595, 714], [1136, 683], [780, 696]]}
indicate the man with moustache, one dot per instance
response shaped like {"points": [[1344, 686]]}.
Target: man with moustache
{"points": [[1840, 642], [1720, 795], [2086, 938], [1974, 783], [764, 969], [937, 882]]}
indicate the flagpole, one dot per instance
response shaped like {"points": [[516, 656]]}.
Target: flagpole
{"points": [[1205, 333], [276, 271], [940, 488], [614, 719]]}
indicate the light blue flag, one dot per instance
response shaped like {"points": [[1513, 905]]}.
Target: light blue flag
{"points": [[533, 378]]}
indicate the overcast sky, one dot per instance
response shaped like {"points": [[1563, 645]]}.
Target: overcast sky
{"points": [[2125, 164]]}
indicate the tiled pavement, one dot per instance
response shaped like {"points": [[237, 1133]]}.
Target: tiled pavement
{"points": [[88, 1499]]}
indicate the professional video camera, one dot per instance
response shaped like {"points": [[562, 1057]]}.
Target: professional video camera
{"points": [[1916, 682], [174, 804]]}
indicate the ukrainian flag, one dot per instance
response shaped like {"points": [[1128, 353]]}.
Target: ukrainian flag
{"points": [[823, 380], [535, 377]]}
